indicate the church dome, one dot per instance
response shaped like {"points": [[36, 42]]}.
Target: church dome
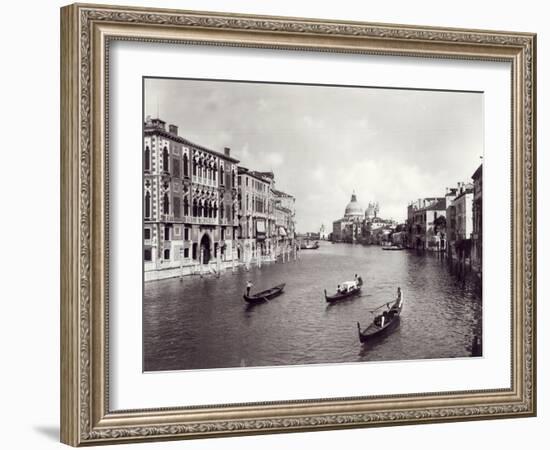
{"points": [[353, 209]]}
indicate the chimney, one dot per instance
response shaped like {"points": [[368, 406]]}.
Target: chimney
{"points": [[157, 123], [173, 129], [227, 151]]}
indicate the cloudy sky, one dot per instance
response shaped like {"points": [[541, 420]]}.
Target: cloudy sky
{"points": [[388, 145]]}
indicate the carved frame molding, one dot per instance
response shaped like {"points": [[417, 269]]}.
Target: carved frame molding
{"points": [[86, 31]]}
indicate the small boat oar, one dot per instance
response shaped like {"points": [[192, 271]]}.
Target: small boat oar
{"points": [[387, 305]]}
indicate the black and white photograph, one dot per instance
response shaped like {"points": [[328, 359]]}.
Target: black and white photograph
{"points": [[293, 224]]}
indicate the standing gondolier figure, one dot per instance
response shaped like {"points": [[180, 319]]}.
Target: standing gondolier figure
{"points": [[248, 287]]}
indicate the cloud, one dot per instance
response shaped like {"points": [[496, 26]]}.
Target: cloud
{"points": [[274, 160], [390, 145], [319, 173]]}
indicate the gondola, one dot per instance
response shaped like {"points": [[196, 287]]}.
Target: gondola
{"points": [[347, 289], [383, 321], [392, 247], [266, 295], [309, 246]]}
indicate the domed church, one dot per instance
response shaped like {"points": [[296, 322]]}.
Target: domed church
{"points": [[348, 228], [354, 211], [361, 226]]}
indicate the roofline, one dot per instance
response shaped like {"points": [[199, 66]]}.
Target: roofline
{"points": [[433, 207], [462, 194], [181, 140], [281, 193], [244, 171], [478, 170], [282, 208]]}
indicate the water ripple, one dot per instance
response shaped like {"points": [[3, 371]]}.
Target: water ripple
{"points": [[205, 323]]}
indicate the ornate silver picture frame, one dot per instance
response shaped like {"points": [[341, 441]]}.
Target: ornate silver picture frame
{"points": [[87, 33]]}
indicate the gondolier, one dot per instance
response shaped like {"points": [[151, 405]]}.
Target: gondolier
{"points": [[248, 287]]}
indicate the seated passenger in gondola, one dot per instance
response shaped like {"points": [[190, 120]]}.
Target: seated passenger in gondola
{"points": [[384, 318]]}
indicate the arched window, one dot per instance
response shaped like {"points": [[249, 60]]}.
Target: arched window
{"points": [[147, 205], [185, 207], [166, 204], [195, 210], [222, 176], [194, 167], [147, 162], [215, 210], [221, 211], [165, 160], [185, 165], [233, 179]]}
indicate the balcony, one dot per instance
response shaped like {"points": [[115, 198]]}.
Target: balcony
{"points": [[204, 181], [189, 220], [207, 220], [200, 220]]}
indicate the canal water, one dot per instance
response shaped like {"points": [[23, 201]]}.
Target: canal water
{"points": [[197, 323]]}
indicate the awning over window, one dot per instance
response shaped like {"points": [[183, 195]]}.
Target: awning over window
{"points": [[260, 230]]}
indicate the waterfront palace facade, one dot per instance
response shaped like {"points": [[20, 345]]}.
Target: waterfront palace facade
{"points": [[201, 209], [452, 224]]}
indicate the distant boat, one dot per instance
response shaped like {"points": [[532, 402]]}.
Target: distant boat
{"points": [[266, 295], [392, 247], [308, 245], [347, 289], [382, 321]]}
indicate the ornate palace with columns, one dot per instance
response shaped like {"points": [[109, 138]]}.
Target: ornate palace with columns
{"points": [[201, 211], [190, 202]]}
